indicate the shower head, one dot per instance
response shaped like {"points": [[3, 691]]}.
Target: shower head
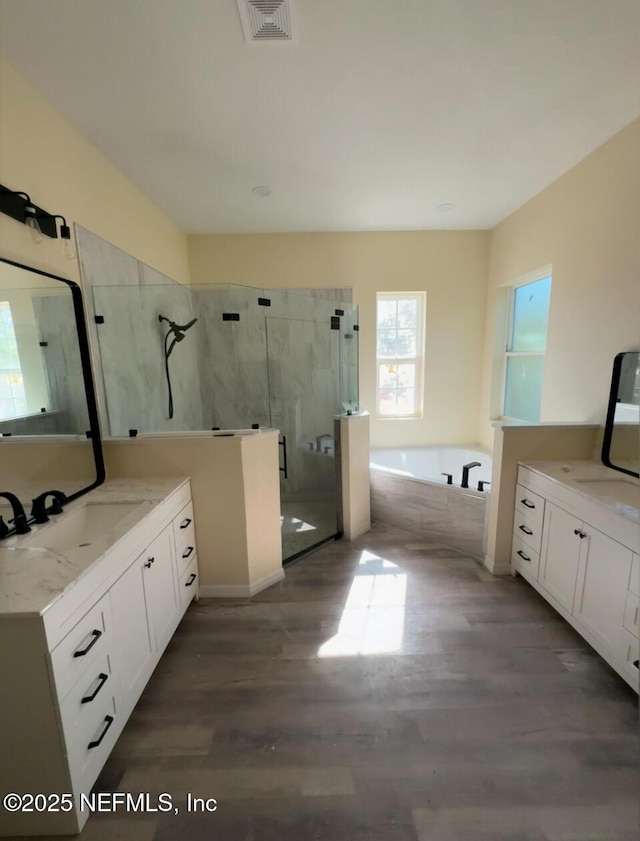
{"points": [[178, 330]]}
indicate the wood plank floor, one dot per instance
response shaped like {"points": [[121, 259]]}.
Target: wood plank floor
{"points": [[387, 690]]}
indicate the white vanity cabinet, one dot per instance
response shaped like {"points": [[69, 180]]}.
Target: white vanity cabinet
{"points": [[586, 566], [560, 554], [73, 672]]}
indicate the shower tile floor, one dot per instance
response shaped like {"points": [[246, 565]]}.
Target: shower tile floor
{"points": [[388, 689], [306, 523]]}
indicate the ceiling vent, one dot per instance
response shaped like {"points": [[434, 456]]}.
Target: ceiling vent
{"points": [[265, 20]]}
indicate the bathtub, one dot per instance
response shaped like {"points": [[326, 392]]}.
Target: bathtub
{"points": [[409, 491], [427, 464]]}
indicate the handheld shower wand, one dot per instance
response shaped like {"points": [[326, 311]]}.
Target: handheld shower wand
{"points": [[176, 333]]}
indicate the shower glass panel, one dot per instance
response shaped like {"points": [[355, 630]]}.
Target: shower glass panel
{"points": [[233, 357], [303, 357], [132, 352], [349, 334]]}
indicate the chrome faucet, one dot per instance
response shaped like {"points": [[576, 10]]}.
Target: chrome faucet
{"points": [[319, 441], [465, 472], [19, 517]]}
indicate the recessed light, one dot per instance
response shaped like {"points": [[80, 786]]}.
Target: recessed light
{"points": [[445, 207], [262, 191]]}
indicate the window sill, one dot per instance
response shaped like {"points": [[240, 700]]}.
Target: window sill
{"points": [[398, 417]]}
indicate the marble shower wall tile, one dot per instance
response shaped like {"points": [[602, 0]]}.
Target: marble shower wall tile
{"points": [[103, 264], [44, 423], [342, 294], [233, 358], [56, 325], [131, 342], [436, 512]]}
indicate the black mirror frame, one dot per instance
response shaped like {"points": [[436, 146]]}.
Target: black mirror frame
{"points": [[87, 374], [611, 413]]}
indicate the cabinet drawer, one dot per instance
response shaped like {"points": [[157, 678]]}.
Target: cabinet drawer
{"points": [[183, 528], [634, 581], [90, 748], [527, 526], [184, 555], [84, 642], [81, 711], [528, 502], [632, 614], [524, 559], [189, 584]]}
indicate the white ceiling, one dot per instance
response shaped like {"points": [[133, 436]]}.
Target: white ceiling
{"points": [[379, 111]]}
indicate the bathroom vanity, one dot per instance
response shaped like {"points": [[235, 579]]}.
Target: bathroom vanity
{"points": [[576, 540], [88, 603]]}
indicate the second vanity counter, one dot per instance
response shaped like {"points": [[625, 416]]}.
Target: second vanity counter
{"points": [[606, 498], [576, 540]]}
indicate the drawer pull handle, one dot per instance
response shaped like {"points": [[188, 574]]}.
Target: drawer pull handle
{"points": [[581, 534], [525, 529], [527, 503], [188, 552], [185, 523], [109, 721], [149, 562], [192, 578], [102, 679], [636, 663], [96, 636], [523, 556]]}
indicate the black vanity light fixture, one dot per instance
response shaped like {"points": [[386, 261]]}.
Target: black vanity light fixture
{"points": [[40, 223]]}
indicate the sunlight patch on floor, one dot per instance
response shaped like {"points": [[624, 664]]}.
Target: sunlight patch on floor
{"points": [[372, 621]]}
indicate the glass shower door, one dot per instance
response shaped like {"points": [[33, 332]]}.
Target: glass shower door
{"points": [[303, 363]]}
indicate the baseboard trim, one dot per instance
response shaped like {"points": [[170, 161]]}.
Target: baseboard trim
{"points": [[240, 591]]}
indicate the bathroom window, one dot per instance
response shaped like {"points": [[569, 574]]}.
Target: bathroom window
{"points": [[526, 345], [13, 401], [400, 353]]}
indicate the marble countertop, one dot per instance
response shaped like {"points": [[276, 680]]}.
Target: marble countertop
{"points": [[33, 578], [612, 489]]}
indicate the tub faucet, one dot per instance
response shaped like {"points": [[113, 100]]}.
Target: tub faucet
{"points": [[465, 472], [19, 517], [319, 441]]}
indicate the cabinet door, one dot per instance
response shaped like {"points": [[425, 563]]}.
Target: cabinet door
{"points": [[134, 649], [560, 554], [601, 594], [160, 589]]}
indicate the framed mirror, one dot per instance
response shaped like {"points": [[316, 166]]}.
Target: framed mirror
{"points": [[621, 442], [46, 383]]}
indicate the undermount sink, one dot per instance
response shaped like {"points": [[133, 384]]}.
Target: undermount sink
{"points": [[79, 528], [625, 491]]}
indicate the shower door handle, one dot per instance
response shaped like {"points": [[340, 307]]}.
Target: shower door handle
{"points": [[283, 444]]}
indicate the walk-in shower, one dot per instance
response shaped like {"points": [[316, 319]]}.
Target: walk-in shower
{"points": [[258, 357]]}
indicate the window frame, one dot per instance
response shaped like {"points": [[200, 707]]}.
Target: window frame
{"points": [[526, 281], [418, 360]]}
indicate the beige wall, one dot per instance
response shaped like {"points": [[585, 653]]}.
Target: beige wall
{"points": [[587, 226], [238, 535], [41, 154], [451, 266]]}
